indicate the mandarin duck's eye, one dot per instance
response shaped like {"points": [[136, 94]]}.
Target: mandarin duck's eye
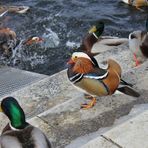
{"points": [[76, 57]]}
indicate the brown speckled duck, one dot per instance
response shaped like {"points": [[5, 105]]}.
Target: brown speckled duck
{"points": [[18, 133], [85, 73], [138, 44], [8, 40]]}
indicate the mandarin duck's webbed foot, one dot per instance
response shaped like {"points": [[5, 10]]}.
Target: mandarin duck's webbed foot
{"points": [[87, 96], [90, 104]]}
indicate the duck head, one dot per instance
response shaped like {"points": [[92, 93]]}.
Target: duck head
{"points": [[11, 108], [81, 63], [97, 29], [33, 39], [136, 39]]}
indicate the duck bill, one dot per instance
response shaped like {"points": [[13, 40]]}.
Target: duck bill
{"points": [[70, 62], [41, 39], [93, 29]]}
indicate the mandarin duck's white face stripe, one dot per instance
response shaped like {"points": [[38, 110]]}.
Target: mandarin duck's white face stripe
{"points": [[81, 55]]}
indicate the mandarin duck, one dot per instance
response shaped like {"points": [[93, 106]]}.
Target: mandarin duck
{"points": [[85, 73], [8, 40], [92, 36], [136, 3], [138, 44], [32, 39], [18, 133]]}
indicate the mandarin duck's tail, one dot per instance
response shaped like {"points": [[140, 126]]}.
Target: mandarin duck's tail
{"points": [[128, 91]]}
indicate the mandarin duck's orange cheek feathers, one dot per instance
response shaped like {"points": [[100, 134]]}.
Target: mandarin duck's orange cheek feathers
{"points": [[83, 66]]}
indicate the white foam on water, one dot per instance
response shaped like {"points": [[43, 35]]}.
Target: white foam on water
{"points": [[78, 142], [51, 39], [72, 44]]}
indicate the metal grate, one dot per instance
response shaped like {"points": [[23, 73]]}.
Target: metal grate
{"points": [[12, 79]]}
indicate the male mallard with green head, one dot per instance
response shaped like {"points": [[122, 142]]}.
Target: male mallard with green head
{"points": [[92, 36], [18, 133], [138, 44]]}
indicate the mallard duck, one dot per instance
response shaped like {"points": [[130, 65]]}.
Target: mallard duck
{"points": [[13, 9], [136, 3], [85, 73], [8, 40], [138, 44], [18, 133], [92, 36]]}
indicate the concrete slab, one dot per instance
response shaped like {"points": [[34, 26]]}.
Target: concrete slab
{"points": [[100, 142], [131, 134], [57, 104], [70, 122]]}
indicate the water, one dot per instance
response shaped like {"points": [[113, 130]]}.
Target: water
{"points": [[62, 24]]}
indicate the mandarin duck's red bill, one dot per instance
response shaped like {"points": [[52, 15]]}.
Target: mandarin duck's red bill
{"points": [[85, 73]]}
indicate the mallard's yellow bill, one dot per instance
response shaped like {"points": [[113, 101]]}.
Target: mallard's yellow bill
{"points": [[1, 109], [93, 29]]}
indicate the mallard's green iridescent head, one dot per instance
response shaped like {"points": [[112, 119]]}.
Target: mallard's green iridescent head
{"points": [[97, 29], [10, 107]]}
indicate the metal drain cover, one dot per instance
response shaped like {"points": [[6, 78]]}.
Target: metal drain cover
{"points": [[12, 79]]}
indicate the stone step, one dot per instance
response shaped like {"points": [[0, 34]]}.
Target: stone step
{"points": [[130, 134], [66, 121], [53, 104]]}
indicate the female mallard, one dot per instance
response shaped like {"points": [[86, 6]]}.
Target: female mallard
{"points": [[136, 3], [85, 73], [18, 133], [138, 44]]}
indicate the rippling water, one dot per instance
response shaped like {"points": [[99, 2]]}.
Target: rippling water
{"points": [[63, 23]]}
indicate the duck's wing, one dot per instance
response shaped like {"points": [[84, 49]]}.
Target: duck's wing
{"points": [[97, 74]]}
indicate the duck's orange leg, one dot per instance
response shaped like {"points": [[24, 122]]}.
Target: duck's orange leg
{"points": [[90, 104], [137, 63]]}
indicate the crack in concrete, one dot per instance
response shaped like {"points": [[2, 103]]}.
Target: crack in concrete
{"points": [[110, 140]]}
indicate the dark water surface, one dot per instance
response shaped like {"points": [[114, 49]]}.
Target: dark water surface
{"points": [[63, 23]]}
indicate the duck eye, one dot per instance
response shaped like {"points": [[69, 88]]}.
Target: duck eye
{"points": [[76, 57]]}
